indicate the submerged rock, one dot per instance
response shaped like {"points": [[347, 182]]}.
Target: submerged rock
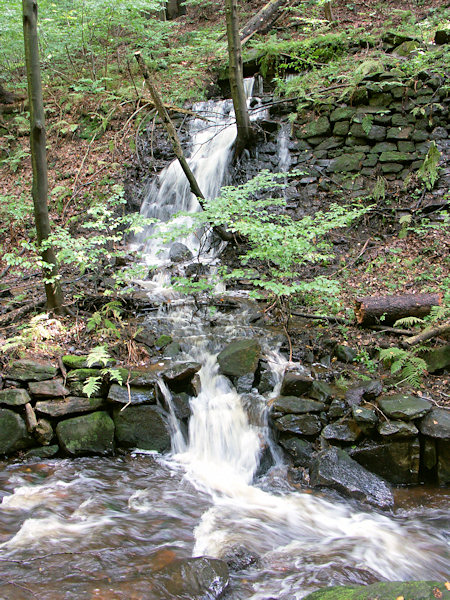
{"points": [[334, 468], [239, 358], [199, 578], [385, 590]]}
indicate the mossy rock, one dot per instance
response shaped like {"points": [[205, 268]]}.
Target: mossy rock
{"points": [[88, 434], [386, 590]]}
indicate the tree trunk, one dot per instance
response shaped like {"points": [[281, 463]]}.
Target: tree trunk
{"points": [[175, 8], [265, 19], [328, 12], [175, 141], [6, 97], [385, 310], [39, 155], [244, 130]]}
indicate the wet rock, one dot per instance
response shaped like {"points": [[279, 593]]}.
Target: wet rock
{"points": [[397, 429], [88, 434], [385, 590], [68, 406], [404, 406], [52, 388], [345, 354], [436, 424], [180, 376], [296, 383], [200, 578], [349, 431], [13, 432], [335, 469], [31, 370], [295, 405], [14, 397], [307, 425], [239, 358], [443, 462], [73, 361], [396, 461], [364, 416], [337, 408], [143, 427], [354, 395], [429, 456], [299, 450], [320, 126], [372, 389], [172, 350], [138, 395], [239, 558], [44, 452], [179, 253], [438, 359], [163, 341], [43, 432], [321, 390], [181, 406], [244, 384]]}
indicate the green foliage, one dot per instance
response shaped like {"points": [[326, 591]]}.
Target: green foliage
{"points": [[406, 364], [428, 172], [379, 189], [408, 322], [107, 322], [99, 354], [39, 334]]}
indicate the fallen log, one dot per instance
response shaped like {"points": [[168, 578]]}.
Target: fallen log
{"points": [[385, 310], [427, 334], [265, 19]]}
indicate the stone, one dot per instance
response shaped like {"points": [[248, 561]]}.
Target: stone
{"points": [[68, 406], [372, 389], [320, 126], [370, 161], [429, 455], [349, 431], [295, 405], [385, 590], [384, 147], [244, 384], [341, 128], [138, 395], [394, 38], [399, 133], [52, 388], [200, 578], [181, 372], [179, 253], [404, 406], [364, 416], [345, 353], [436, 359], [376, 133], [442, 36], [307, 425], [342, 114], [397, 429], [163, 341], [320, 390], [330, 143], [337, 408], [399, 120], [181, 406], [406, 48], [397, 460], [30, 418], [239, 357], [300, 451], [143, 427], [391, 167], [382, 99], [239, 558], [436, 424], [172, 350], [419, 135], [267, 379], [335, 469], [13, 432], [443, 462], [31, 370], [405, 146], [72, 361], [88, 434], [296, 383], [14, 397], [404, 157], [44, 432], [43, 452]]}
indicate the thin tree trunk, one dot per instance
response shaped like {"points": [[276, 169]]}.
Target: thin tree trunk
{"points": [[175, 141], [328, 12], [39, 155], [244, 130]]}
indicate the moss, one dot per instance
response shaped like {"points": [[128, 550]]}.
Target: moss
{"points": [[388, 590]]}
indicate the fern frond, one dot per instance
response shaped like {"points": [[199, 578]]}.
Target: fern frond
{"points": [[99, 354], [92, 386], [408, 321]]}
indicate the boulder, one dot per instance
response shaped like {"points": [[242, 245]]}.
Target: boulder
{"points": [[13, 432], [239, 558], [137, 395], [292, 404], [163, 341], [385, 590], [436, 424], [239, 358], [14, 397], [143, 427], [296, 383], [199, 578], [335, 469], [364, 416], [443, 462], [404, 406], [397, 429], [88, 434], [320, 126], [179, 253], [43, 452], [299, 424], [438, 359], [299, 450], [181, 372], [31, 370], [43, 432], [68, 406], [52, 388], [348, 431], [397, 460]]}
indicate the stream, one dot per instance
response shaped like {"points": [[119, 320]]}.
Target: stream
{"points": [[103, 527]]}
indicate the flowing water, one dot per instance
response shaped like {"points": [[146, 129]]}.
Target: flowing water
{"points": [[103, 527]]}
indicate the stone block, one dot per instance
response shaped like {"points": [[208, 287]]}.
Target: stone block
{"points": [[347, 163], [395, 156], [88, 434], [31, 370], [143, 427], [404, 406], [320, 126], [341, 128], [342, 114], [52, 388], [399, 133], [14, 397], [391, 168]]}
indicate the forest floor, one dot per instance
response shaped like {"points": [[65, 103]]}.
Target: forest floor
{"points": [[93, 142]]}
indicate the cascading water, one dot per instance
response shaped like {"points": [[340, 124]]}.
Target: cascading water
{"points": [[99, 528]]}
